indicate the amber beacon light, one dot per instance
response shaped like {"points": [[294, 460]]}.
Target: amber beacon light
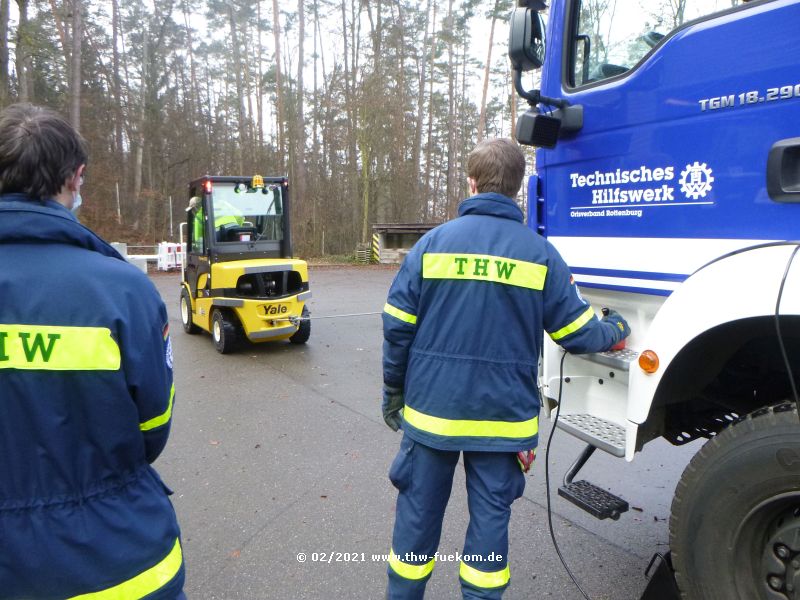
{"points": [[648, 361]]}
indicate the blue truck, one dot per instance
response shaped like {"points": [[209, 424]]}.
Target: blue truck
{"points": [[668, 176]]}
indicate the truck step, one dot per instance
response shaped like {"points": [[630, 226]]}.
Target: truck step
{"points": [[616, 359], [596, 501], [596, 431]]}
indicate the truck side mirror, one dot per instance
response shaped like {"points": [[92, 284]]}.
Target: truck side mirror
{"points": [[543, 130], [526, 39]]}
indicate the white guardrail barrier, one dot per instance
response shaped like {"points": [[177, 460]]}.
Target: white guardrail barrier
{"points": [[168, 255]]}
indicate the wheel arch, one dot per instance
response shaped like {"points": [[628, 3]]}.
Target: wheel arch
{"points": [[721, 375], [735, 296]]}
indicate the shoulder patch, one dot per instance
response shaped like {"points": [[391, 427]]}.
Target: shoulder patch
{"points": [[167, 346], [168, 353], [577, 290]]}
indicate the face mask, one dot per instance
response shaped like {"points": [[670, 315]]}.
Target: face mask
{"points": [[76, 203]]}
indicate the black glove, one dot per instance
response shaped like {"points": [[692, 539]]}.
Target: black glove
{"points": [[393, 403], [621, 329]]}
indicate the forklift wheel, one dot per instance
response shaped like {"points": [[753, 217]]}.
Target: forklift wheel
{"points": [[186, 314], [304, 331], [224, 331]]}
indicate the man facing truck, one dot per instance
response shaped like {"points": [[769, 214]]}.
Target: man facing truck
{"points": [[463, 328]]}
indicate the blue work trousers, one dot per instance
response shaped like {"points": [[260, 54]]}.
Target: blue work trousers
{"points": [[424, 478]]}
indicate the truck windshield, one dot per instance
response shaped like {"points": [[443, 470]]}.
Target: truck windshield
{"points": [[613, 36], [247, 215]]}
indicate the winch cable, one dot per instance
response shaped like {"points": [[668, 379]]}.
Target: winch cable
{"points": [[780, 334], [296, 320], [547, 480]]}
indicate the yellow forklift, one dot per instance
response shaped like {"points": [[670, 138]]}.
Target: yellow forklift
{"points": [[239, 281]]}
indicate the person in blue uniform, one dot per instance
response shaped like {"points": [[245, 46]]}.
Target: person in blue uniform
{"points": [[463, 327], [86, 391]]}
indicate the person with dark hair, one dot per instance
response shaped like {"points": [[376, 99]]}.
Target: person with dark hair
{"points": [[86, 390], [463, 328]]}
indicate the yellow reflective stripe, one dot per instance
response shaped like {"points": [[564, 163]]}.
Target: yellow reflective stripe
{"points": [[574, 326], [163, 417], [407, 571], [482, 579], [400, 314], [465, 428], [48, 348], [145, 583], [484, 267]]}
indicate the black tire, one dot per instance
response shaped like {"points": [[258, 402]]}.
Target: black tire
{"points": [[186, 314], [735, 524], [304, 331], [224, 331]]}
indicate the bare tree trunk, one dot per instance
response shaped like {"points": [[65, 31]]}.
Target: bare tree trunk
{"points": [[429, 146], [62, 35], [248, 90], [451, 122], [487, 70], [300, 154], [237, 67], [4, 87], [75, 70], [366, 159], [137, 173], [259, 83], [117, 91], [194, 95], [315, 121], [349, 85], [417, 145], [21, 53], [276, 32]]}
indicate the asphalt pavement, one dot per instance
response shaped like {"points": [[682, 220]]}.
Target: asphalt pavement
{"points": [[279, 459]]}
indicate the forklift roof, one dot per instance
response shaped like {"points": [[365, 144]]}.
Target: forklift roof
{"points": [[235, 179]]}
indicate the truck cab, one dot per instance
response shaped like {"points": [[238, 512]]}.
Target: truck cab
{"points": [[668, 177]]}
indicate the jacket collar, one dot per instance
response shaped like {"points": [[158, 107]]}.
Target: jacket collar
{"points": [[24, 220], [491, 204]]}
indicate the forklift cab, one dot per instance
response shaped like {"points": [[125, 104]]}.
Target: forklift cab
{"points": [[233, 215], [238, 258]]}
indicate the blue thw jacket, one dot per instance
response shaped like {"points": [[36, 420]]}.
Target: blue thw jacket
{"points": [[86, 399], [463, 328]]}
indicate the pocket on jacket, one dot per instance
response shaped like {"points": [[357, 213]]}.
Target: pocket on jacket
{"points": [[400, 471]]}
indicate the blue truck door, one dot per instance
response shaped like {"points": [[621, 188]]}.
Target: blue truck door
{"points": [[670, 167]]}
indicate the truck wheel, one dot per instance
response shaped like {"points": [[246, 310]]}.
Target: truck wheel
{"points": [[186, 314], [224, 331], [735, 524], [304, 331]]}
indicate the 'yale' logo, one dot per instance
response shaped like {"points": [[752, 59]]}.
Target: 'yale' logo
{"points": [[31, 348], [275, 309], [480, 267]]}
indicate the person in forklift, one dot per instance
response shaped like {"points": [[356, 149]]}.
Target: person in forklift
{"points": [[463, 326], [196, 208], [87, 388], [225, 215]]}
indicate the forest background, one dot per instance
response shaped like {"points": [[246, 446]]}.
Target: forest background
{"points": [[370, 107]]}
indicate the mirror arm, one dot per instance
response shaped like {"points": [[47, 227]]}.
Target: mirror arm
{"points": [[535, 97]]}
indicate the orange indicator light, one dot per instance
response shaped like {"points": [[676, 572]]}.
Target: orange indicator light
{"points": [[648, 361]]}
